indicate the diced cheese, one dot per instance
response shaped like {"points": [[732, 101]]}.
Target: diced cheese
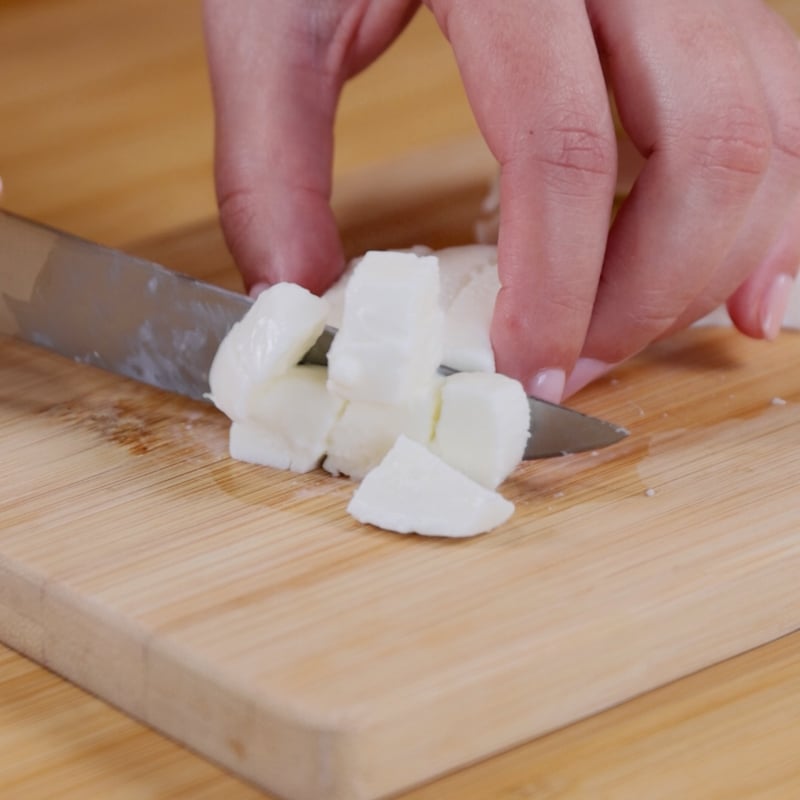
{"points": [[458, 265], [365, 432], [468, 288], [428, 450], [467, 340], [335, 295], [275, 333], [289, 421], [390, 342], [483, 425], [414, 491]]}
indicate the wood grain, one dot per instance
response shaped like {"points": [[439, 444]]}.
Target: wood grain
{"points": [[241, 611], [701, 570]]}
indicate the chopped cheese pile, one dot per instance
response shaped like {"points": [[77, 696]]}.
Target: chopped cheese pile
{"points": [[429, 451]]}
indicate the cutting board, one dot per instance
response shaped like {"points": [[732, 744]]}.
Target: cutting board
{"points": [[242, 612]]}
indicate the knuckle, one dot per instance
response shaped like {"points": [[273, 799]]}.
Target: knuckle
{"points": [[576, 152], [735, 143], [566, 303]]}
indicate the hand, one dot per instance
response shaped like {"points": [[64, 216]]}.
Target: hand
{"points": [[707, 90]]}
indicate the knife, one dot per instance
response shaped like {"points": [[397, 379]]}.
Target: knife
{"points": [[105, 308]]}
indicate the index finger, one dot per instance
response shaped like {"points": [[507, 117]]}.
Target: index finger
{"points": [[534, 80]]}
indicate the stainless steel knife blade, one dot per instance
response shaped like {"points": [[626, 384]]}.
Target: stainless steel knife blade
{"points": [[102, 307], [559, 431]]}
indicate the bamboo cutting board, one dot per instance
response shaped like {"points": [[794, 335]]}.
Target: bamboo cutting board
{"points": [[242, 612]]}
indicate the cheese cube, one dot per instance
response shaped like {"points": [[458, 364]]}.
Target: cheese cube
{"points": [[483, 425], [390, 342], [365, 432], [414, 491], [335, 295], [275, 333], [467, 339], [289, 421], [458, 265]]}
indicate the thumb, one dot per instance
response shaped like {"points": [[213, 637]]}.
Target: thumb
{"points": [[274, 106]]}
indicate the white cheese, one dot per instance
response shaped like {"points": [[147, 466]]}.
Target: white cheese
{"points": [[275, 333], [428, 450], [365, 432], [335, 295], [468, 288], [414, 491], [483, 425], [458, 265], [467, 339], [289, 421], [390, 341]]}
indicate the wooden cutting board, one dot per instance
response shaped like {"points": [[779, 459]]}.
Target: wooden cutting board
{"points": [[242, 612]]}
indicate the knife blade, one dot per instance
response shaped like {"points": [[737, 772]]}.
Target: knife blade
{"points": [[108, 309]]}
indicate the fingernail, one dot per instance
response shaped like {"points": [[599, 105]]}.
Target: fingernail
{"points": [[776, 301], [257, 288], [548, 384], [585, 371]]}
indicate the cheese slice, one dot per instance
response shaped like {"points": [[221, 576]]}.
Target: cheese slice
{"points": [[414, 491]]}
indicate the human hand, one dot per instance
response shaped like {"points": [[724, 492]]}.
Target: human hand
{"points": [[707, 90]]}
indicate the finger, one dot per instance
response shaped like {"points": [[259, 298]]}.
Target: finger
{"points": [[759, 305], [533, 77], [690, 103], [768, 239], [275, 97]]}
